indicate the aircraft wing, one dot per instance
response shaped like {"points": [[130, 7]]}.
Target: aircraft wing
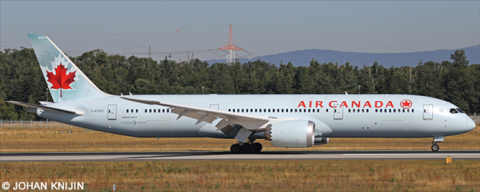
{"points": [[250, 122], [47, 108]]}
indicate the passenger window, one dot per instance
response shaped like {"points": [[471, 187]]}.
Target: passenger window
{"points": [[228, 110], [327, 110], [154, 110], [349, 110], [394, 110], [335, 110], [404, 110], [291, 110], [145, 110], [318, 110], [304, 110], [150, 110], [412, 110], [367, 110], [127, 110], [295, 110], [363, 110], [136, 110], [309, 110], [376, 110]]}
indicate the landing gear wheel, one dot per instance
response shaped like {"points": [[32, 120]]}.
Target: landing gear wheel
{"points": [[435, 147], [247, 148], [257, 147], [236, 148]]}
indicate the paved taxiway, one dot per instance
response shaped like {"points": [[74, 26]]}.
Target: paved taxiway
{"points": [[214, 155]]}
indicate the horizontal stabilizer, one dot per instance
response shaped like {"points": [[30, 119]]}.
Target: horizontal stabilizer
{"points": [[47, 108], [46, 103]]}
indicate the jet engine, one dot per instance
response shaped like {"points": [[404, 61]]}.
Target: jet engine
{"points": [[294, 133]]}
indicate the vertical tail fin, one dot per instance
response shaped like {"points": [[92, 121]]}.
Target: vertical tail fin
{"points": [[64, 79]]}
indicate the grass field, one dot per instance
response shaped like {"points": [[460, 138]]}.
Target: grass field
{"points": [[283, 175], [72, 139]]}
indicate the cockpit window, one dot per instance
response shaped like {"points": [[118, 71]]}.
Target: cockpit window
{"points": [[459, 110], [453, 110]]}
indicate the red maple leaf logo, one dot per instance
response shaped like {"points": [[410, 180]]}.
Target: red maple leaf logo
{"points": [[61, 80], [406, 104]]}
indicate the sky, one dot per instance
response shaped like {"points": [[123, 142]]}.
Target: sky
{"points": [[259, 27]]}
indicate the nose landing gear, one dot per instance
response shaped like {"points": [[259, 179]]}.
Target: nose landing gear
{"points": [[435, 146]]}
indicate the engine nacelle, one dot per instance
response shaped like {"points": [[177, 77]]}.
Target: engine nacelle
{"points": [[294, 133]]}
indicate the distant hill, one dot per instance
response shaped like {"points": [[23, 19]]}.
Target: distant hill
{"points": [[303, 57]]}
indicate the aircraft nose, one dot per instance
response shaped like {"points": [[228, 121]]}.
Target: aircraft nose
{"points": [[470, 124]]}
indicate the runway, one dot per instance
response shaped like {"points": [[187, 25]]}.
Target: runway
{"points": [[215, 155]]}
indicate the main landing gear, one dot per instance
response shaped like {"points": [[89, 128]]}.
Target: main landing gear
{"points": [[248, 147]]}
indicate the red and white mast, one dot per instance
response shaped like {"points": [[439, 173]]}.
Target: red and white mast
{"points": [[230, 48]]}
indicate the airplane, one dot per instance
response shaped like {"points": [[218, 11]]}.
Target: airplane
{"points": [[291, 121]]}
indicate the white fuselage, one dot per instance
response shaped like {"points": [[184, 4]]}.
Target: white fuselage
{"points": [[334, 115]]}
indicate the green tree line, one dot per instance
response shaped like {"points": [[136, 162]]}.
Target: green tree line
{"points": [[455, 81]]}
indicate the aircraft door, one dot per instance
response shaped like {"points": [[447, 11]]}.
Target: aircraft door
{"points": [[428, 112], [338, 113], [112, 112]]}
